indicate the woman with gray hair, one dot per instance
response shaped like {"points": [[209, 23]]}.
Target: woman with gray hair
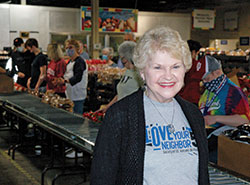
{"points": [[154, 136], [130, 81]]}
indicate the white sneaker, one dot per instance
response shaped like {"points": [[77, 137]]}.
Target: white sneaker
{"points": [[72, 153]]}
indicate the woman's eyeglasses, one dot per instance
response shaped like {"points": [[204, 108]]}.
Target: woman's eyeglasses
{"points": [[124, 60]]}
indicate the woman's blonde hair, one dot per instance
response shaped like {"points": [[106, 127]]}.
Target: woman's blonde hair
{"points": [[54, 52], [163, 39], [74, 43]]}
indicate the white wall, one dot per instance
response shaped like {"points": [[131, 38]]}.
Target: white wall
{"points": [[204, 36], [29, 19], [40, 21], [179, 22], [4, 26]]}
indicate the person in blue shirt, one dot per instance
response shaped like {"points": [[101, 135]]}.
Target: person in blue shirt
{"points": [[83, 53], [107, 55]]}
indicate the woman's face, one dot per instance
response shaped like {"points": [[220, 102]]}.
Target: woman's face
{"points": [[31, 49], [164, 77], [70, 50], [127, 63]]}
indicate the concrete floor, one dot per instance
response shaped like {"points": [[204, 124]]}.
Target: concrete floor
{"points": [[27, 167]]}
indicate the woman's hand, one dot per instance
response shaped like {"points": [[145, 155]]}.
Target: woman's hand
{"points": [[37, 88], [104, 110], [61, 81], [21, 75]]}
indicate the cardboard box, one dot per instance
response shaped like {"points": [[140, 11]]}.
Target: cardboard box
{"points": [[6, 84], [2, 70], [234, 155]]}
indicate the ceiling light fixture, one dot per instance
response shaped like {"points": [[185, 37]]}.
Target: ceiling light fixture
{"points": [[162, 2]]}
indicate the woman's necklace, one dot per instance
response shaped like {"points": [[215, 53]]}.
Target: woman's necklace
{"points": [[172, 119]]}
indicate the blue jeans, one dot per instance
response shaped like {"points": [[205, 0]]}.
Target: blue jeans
{"points": [[78, 106]]}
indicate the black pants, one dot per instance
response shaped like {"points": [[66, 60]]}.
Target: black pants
{"points": [[61, 94], [212, 146]]}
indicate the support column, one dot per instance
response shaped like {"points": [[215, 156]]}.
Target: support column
{"points": [[23, 2], [95, 45], [107, 41]]}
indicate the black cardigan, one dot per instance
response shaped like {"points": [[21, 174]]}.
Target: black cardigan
{"points": [[120, 146]]}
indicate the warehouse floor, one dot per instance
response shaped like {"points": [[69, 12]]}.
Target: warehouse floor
{"points": [[27, 167]]}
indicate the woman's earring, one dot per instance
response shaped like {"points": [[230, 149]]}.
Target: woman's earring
{"points": [[142, 76]]}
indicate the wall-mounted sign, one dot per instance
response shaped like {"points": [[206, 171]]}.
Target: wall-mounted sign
{"points": [[111, 19], [24, 34], [231, 20], [223, 42], [244, 41], [203, 19]]}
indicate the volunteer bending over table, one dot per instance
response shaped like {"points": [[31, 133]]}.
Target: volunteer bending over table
{"points": [[223, 104], [154, 136]]}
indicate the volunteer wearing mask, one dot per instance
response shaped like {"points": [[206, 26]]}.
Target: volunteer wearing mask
{"points": [[76, 76], [18, 66], [223, 104], [107, 54]]}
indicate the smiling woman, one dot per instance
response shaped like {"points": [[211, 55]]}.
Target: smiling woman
{"points": [[163, 79], [154, 133], [162, 58]]}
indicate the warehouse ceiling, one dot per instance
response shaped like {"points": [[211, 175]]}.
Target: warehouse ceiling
{"points": [[142, 5]]}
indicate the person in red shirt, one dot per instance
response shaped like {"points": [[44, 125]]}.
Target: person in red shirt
{"points": [[191, 89], [56, 69]]}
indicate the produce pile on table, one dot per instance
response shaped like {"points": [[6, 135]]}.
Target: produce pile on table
{"points": [[94, 116], [214, 51], [105, 73], [108, 75], [54, 100], [95, 65]]}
